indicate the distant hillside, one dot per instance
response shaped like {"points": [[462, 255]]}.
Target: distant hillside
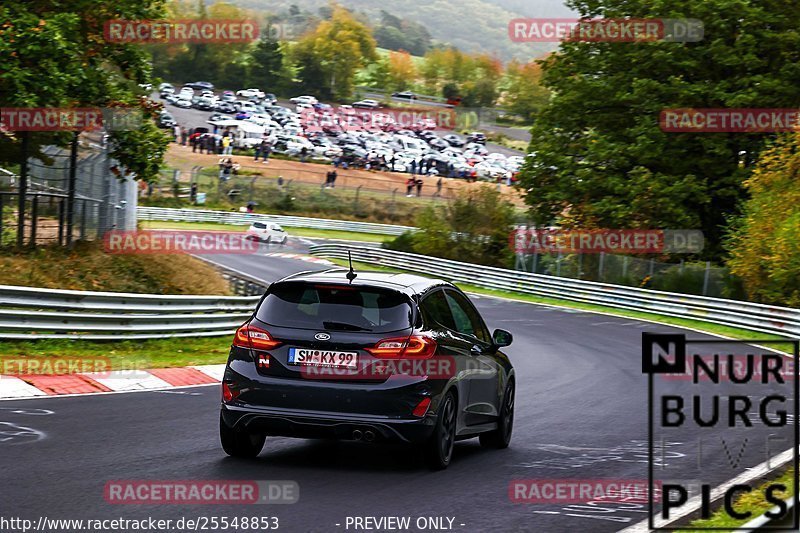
{"points": [[470, 25]]}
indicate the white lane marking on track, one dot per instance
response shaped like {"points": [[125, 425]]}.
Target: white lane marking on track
{"points": [[186, 393], [34, 412], [7, 436]]}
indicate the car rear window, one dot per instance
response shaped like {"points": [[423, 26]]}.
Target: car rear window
{"points": [[335, 307], [259, 225]]}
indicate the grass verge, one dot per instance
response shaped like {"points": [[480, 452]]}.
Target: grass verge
{"points": [[157, 353], [89, 268], [300, 232], [752, 501]]}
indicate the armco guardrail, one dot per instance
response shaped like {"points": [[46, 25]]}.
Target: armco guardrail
{"points": [[34, 313], [782, 321], [245, 219]]}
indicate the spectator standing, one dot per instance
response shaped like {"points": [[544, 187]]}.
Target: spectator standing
{"points": [[176, 133], [392, 162], [193, 142], [303, 154], [184, 136], [266, 149], [334, 175], [413, 167], [419, 187], [227, 145], [225, 168], [410, 182], [438, 187]]}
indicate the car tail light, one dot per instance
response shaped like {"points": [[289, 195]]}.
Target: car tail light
{"points": [[249, 336], [422, 407], [418, 346], [228, 393]]}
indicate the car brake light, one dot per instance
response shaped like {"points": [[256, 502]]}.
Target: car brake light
{"points": [[228, 394], [422, 407], [418, 346], [249, 336]]}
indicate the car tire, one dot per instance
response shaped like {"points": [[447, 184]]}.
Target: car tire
{"points": [[239, 443], [284, 240], [439, 448], [499, 438], [268, 239]]}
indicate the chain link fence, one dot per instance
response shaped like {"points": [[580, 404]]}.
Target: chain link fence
{"points": [[103, 200]]}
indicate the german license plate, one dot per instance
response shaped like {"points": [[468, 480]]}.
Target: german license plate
{"points": [[329, 358]]}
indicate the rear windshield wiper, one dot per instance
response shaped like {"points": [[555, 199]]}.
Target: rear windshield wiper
{"points": [[344, 326]]}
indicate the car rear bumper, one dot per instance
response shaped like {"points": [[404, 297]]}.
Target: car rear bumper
{"points": [[313, 425], [310, 408]]}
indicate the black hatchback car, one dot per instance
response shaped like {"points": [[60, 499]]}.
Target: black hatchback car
{"points": [[377, 358]]}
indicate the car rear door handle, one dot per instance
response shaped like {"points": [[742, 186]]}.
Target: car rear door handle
{"points": [[476, 350]]}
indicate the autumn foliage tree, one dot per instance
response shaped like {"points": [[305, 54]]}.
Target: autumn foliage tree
{"points": [[764, 244]]}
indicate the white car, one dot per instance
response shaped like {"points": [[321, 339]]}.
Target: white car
{"points": [[367, 103], [251, 93], [184, 102], [267, 232], [305, 99]]}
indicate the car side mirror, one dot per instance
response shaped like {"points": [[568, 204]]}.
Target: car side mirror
{"points": [[501, 338]]}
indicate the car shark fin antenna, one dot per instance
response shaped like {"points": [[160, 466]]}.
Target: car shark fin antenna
{"points": [[352, 274]]}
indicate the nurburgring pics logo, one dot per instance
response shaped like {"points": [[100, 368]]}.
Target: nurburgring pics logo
{"points": [[595, 241], [741, 120], [734, 409], [178, 242], [180, 31], [69, 119], [621, 30]]}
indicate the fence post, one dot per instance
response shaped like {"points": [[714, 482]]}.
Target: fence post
{"points": [[355, 201], [23, 189], [652, 266], [535, 262], [2, 200], [73, 164], [624, 267], [600, 267], [706, 278], [34, 219], [83, 220], [61, 214], [558, 264]]}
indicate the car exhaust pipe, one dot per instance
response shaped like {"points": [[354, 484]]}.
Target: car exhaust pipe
{"points": [[369, 436], [357, 434]]}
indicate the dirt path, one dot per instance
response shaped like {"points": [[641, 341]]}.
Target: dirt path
{"points": [[182, 158]]}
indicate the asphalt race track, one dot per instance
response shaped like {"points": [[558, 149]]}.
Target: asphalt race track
{"points": [[581, 412]]}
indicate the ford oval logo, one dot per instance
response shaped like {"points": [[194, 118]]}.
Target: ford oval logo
{"points": [[322, 336]]}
